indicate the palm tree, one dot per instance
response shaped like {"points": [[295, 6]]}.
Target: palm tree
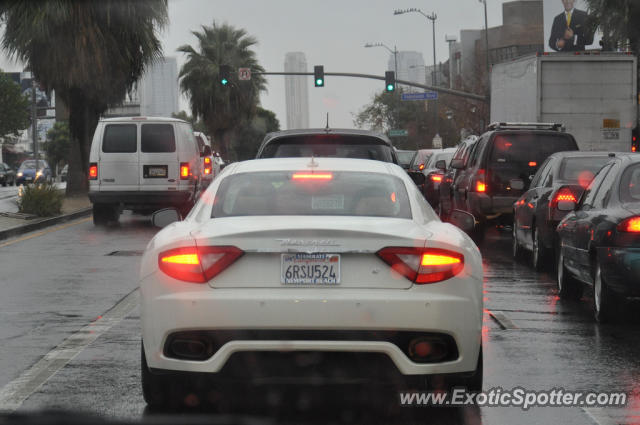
{"points": [[221, 108], [90, 52], [618, 21]]}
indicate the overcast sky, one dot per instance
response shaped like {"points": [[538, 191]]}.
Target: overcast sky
{"points": [[331, 33]]}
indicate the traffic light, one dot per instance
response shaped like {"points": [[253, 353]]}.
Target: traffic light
{"points": [[390, 81], [318, 75], [225, 72]]}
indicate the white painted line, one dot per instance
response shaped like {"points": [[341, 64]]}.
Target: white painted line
{"points": [[17, 391], [502, 320]]}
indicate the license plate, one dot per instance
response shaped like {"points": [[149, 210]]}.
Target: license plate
{"points": [[28, 178], [157, 172], [310, 269]]}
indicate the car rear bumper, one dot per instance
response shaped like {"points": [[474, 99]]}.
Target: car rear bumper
{"points": [[141, 198], [276, 320], [621, 269], [483, 205]]}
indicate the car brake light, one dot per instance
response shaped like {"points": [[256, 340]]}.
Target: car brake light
{"points": [[197, 264], [436, 178], [311, 176], [184, 170], [633, 148], [93, 171], [533, 164], [481, 187], [630, 225], [423, 265], [421, 167], [207, 165], [564, 195]]}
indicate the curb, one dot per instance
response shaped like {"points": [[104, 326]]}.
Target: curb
{"points": [[30, 227]]}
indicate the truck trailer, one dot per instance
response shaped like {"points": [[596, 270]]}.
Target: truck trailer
{"points": [[594, 95]]}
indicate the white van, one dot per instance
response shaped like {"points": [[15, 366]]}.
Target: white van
{"points": [[143, 164]]}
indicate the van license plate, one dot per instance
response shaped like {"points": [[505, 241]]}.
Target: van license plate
{"points": [[310, 269], [155, 171]]}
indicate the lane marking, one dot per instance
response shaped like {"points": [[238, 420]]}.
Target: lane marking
{"points": [[44, 232], [17, 391], [502, 320]]}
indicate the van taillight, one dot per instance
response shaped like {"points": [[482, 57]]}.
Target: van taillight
{"points": [[93, 171], [184, 170]]}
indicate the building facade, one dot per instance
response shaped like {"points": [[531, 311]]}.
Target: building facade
{"points": [[410, 67], [296, 89]]}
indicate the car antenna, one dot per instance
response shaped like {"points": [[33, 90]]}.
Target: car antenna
{"points": [[327, 127]]}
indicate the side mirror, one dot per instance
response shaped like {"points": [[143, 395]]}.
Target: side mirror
{"points": [[206, 151], [417, 177], [462, 219], [441, 165], [566, 206], [458, 164], [516, 184], [165, 217]]}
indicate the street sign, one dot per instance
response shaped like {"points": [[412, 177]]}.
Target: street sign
{"points": [[437, 142], [244, 74], [398, 133], [430, 95]]}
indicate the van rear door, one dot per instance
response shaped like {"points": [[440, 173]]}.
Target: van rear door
{"points": [[159, 167], [118, 158]]}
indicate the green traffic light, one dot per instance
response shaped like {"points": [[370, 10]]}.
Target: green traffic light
{"points": [[390, 87], [319, 82], [224, 81]]}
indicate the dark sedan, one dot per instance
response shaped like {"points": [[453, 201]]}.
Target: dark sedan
{"points": [[600, 238], [7, 175], [536, 213], [448, 199]]}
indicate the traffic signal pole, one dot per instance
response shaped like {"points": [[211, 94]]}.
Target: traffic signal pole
{"points": [[443, 90]]}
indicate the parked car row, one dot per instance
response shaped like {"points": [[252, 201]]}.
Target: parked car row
{"points": [[576, 211]]}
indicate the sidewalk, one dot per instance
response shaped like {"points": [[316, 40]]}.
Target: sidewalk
{"points": [[71, 208]]}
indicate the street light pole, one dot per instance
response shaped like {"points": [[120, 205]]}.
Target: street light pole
{"points": [[486, 45], [434, 77], [395, 67], [34, 123]]}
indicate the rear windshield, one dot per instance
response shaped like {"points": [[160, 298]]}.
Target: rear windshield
{"points": [[329, 146], [630, 184], [121, 138], [404, 158], [518, 156], [445, 156], [581, 170], [157, 138], [295, 193]]}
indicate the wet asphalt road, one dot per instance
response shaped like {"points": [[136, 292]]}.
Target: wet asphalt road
{"points": [[61, 284]]}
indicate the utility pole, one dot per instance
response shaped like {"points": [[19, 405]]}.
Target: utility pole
{"points": [[34, 123], [434, 73]]}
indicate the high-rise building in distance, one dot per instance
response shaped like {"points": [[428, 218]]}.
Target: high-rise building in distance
{"points": [[158, 89], [410, 68], [296, 90]]}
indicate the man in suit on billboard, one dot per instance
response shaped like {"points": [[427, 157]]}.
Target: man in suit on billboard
{"points": [[570, 31]]}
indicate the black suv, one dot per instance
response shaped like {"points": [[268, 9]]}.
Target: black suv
{"points": [[328, 143], [501, 165]]}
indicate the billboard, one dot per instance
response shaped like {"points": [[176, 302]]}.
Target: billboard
{"points": [[565, 26]]}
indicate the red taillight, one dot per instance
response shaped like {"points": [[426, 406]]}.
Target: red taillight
{"points": [[423, 265], [93, 171], [197, 264], [311, 176], [533, 164], [633, 149], [184, 170], [564, 195], [436, 178], [478, 183], [421, 167], [207, 165], [630, 225], [481, 187]]}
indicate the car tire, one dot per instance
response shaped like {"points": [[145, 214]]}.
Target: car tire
{"points": [[161, 391], [569, 288], [103, 213], [606, 303], [539, 254], [516, 248], [473, 383]]}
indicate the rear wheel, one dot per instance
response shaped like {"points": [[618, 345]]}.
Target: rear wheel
{"points": [[569, 287], [539, 253], [605, 301]]}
